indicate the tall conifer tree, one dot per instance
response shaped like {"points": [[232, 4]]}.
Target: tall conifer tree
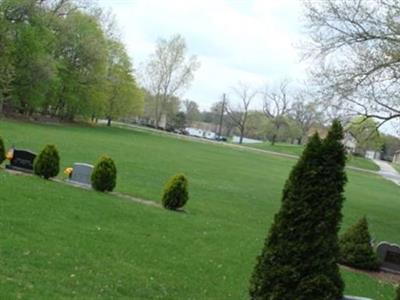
{"points": [[300, 253]]}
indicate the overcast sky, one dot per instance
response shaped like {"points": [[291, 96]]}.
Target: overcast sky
{"points": [[253, 41]]}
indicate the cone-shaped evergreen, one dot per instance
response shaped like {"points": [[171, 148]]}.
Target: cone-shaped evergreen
{"points": [[355, 247], [175, 192], [104, 175], [47, 164], [299, 259], [398, 293], [2, 151]]}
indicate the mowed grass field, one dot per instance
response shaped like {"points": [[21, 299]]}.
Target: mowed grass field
{"points": [[354, 161], [60, 242]]}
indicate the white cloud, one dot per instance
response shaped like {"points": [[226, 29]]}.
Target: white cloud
{"points": [[250, 41]]}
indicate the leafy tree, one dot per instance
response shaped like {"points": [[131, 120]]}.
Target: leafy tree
{"points": [[365, 131], [176, 192], [104, 175], [82, 56], [124, 97], [390, 145], [308, 222], [33, 66], [356, 249], [47, 164], [7, 71]]}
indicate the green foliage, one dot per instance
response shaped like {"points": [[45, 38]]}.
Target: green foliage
{"points": [[308, 222], [104, 175], [47, 163], [2, 151], [365, 131], [356, 249], [59, 59], [398, 292], [175, 192]]}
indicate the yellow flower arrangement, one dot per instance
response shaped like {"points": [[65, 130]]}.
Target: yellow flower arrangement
{"points": [[10, 154], [68, 171]]}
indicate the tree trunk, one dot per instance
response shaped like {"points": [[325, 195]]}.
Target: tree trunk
{"points": [[273, 140], [300, 140], [109, 121]]}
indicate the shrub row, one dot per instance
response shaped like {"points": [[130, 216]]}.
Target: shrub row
{"points": [[104, 176]]}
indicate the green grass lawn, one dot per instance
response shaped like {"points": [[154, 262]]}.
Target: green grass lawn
{"points": [[62, 242], [354, 161]]}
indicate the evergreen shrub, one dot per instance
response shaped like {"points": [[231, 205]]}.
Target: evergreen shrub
{"points": [[299, 257], [176, 192], [104, 175], [355, 247], [47, 163]]}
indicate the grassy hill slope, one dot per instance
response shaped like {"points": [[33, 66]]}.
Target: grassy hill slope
{"points": [[61, 242]]}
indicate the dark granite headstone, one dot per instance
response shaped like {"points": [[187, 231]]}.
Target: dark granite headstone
{"points": [[22, 160], [81, 173], [389, 256]]}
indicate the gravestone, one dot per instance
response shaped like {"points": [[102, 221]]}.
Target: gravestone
{"points": [[22, 160], [355, 298], [389, 256], [81, 174]]}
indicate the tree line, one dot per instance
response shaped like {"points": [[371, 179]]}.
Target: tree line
{"points": [[64, 58]]}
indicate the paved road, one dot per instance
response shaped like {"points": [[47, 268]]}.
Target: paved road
{"points": [[387, 171]]}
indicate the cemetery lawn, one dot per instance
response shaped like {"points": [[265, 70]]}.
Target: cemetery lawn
{"points": [[60, 242], [354, 161]]}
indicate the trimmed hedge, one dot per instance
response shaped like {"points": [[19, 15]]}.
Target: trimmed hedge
{"points": [[176, 192], [2, 151], [104, 175], [355, 247], [47, 163]]}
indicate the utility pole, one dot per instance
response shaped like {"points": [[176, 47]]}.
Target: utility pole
{"points": [[221, 118]]}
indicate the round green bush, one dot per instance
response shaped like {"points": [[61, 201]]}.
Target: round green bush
{"points": [[104, 175], [355, 247], [47, 163], [2, 151], [176, 192]]}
